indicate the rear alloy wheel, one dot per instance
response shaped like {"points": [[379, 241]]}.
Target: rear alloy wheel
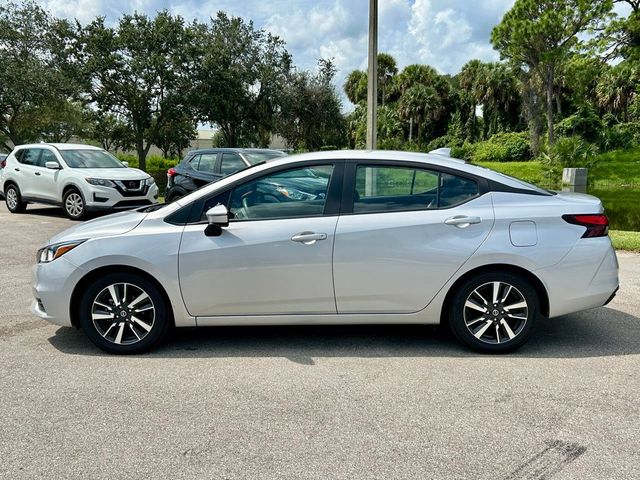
{"points": [[13, 200], [124, 313], [494, 312], [73, 205]]}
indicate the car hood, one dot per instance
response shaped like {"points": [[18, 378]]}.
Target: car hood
{"points": [[115, 224], [113, 173]]}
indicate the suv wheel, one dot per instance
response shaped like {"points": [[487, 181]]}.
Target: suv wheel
{"points": [[73, 205], [124, 313], [13, 199], [494, 312]]}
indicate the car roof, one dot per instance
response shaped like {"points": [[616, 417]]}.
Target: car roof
{"points": [[60, 146], [234, 149]]}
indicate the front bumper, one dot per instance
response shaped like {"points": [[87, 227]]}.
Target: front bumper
{"points": [[52, 286], [107, 198]]}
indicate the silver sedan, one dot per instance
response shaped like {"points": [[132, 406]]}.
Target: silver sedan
{"points": [[335, 238]]}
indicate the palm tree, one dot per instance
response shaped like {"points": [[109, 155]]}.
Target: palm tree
{"points": [[470, 79], [617, 88], [420, 103], [387, 69]]}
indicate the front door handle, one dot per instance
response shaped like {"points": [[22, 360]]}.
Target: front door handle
{"points": [[17, 169], [309, 238], [462, 221], [37, 173]]}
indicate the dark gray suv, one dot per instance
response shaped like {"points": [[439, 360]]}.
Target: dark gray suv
{"points": [[204, 166]]}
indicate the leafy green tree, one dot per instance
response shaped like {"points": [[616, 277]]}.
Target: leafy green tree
{"points": [[35, 87], [140, 70], [110, 131], [241, 76], [176, 134], [617, 88], [310, 116], [539, 35], [355, 87], [420, 103]]}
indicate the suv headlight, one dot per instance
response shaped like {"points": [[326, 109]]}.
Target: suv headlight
{"points": [[51, 252], [100, 182], [150, 181]]}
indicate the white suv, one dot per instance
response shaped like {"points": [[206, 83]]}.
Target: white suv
{"points": [[80, 178]]}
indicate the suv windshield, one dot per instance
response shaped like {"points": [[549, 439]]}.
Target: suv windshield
{"points": [[90, 159], [256, 157]]}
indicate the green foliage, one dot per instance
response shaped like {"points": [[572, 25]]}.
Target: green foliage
{"points": [[623, 240], [568, 152], [621, 136], [501, 147], [140, 69], [310, 116], [585, 123], [240, 76]]}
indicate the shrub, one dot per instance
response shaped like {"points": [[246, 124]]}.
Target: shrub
{"points": [[501, 147], [585, 123], [131, 159], [621, 136], [446, 141], [568, 152]]}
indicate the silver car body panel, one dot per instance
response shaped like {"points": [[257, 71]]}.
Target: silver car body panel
{"points": [[371, 268]]}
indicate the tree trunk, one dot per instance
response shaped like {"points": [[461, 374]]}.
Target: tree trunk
{"points": [[550, 104], [410, 128], [142, 154]]}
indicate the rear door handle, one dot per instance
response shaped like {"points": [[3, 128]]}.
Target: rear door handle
{"points": [[309, 238], [462, 221], [37, 173], [17, 169]]}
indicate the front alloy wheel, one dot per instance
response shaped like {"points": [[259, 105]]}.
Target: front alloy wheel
{"points": [[494, 312], [124, 313], [74, 205]]}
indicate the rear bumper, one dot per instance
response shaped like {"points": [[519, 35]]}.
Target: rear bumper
{"points": [[586, 278]]}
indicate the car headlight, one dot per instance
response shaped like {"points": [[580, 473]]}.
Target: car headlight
{"points": [[100, 182], [150, 181], [295, 194], [51, 252]]}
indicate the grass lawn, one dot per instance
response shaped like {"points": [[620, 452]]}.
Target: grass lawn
{"points": [[625, 240]]}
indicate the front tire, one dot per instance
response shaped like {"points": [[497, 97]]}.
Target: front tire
{"points": [[124, 313], [73, 204], [494, 312], [13, 199]]}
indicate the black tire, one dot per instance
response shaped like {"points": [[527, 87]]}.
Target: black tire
{"points": [[175, 197], [498, 327], [103, 332], [74, 205], [13, 199]]}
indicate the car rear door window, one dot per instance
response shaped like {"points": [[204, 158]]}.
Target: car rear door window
{"points": [[207, 162], [391, 188], [231, 163], [299, 192], [30, 156]]}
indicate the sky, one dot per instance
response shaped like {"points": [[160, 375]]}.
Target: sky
{"points": [[442, 33]]}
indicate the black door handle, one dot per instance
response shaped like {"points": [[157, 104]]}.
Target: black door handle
{"points": [[17, 169], [38, 173]]}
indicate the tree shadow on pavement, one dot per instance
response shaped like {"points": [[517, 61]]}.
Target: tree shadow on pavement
{"points": [[595, 333]]}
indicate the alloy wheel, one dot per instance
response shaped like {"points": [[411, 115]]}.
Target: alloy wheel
{"points": [[496, 312], [12, 198], [123, 313], [74, 204]]}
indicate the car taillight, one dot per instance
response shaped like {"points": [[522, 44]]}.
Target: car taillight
{"points": [[597, 225], [3, 163], [171, 173]]}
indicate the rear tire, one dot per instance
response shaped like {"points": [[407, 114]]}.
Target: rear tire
{"points": [[494, 312], [73, 204], [13, 199], [124, 313]]}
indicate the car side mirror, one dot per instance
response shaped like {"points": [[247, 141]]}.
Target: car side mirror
{"points": [[126, 164], [217, 217], [53, 165]]}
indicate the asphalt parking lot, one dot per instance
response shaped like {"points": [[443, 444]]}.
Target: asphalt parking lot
{"points": [[381, 402]]}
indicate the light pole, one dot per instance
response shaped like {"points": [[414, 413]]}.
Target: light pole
{"points": [[372, 90]]}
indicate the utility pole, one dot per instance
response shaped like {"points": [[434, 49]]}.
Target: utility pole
{"points": [[372, 90]]}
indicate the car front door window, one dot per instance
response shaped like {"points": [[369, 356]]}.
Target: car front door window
{"points": [[300, 192]]}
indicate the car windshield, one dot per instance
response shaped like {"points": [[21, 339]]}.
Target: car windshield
{"points": [[257, 157], [90, 159]]}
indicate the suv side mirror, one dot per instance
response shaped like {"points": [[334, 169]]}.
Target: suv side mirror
{"points": [[126, 164], [53, 165], [217, 217]]}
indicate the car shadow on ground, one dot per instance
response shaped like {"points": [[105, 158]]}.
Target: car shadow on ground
{"points": [[595, 333]]}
